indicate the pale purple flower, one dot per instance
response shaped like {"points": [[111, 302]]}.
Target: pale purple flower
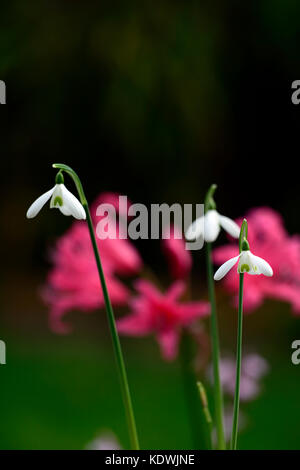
{"points": [[105, 441], [254, 368]]}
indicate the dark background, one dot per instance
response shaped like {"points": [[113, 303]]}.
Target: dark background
{"points": [[155, 101]]}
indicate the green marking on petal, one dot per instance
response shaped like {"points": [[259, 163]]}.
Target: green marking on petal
{"points": [[58, 201], [245, 268]]}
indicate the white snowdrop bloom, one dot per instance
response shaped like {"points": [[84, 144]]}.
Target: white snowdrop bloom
{"points": [[247, 263], [62, 199], [209, 226]]}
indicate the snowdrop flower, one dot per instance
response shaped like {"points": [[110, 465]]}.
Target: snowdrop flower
{"points": [[209, 226], [61, 198], [247, 263]]}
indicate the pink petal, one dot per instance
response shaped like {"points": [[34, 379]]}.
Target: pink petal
{"points": [[189, 311], [133, 325], [147, 289], [176, 290], [168, 341]]}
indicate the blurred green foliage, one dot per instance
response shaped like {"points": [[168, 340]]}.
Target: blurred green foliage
{"points": [[62, 392]]}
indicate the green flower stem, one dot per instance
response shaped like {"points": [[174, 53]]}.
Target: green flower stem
{"points": [[218, 397], [110, 313], [233, 444], [116, 341], [190, 391], [206, 414]]}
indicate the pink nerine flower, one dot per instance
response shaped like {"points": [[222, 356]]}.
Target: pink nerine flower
{"points": [[161, 314], [73, 282], [272, 242], [179, 259]]}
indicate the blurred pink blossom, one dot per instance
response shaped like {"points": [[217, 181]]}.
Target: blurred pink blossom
{"points": [[110, 198], [269, 240], [73, 282], [179, 259], [161, 314]]}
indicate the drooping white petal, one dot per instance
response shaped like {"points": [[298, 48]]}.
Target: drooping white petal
{"points": [[230, 226], [251, 264], [35, 208], [71, 205], [211, 226], [65, 209], [262, 265], [223, 270], [196, 229]]}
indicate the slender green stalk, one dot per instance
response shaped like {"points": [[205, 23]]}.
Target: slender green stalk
{"points": [[206, 413], [110, 313], [218, 397], [116, 341], [235, 421]]}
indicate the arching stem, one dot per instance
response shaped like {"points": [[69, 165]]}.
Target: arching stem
{"points": [[109, 310]]}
